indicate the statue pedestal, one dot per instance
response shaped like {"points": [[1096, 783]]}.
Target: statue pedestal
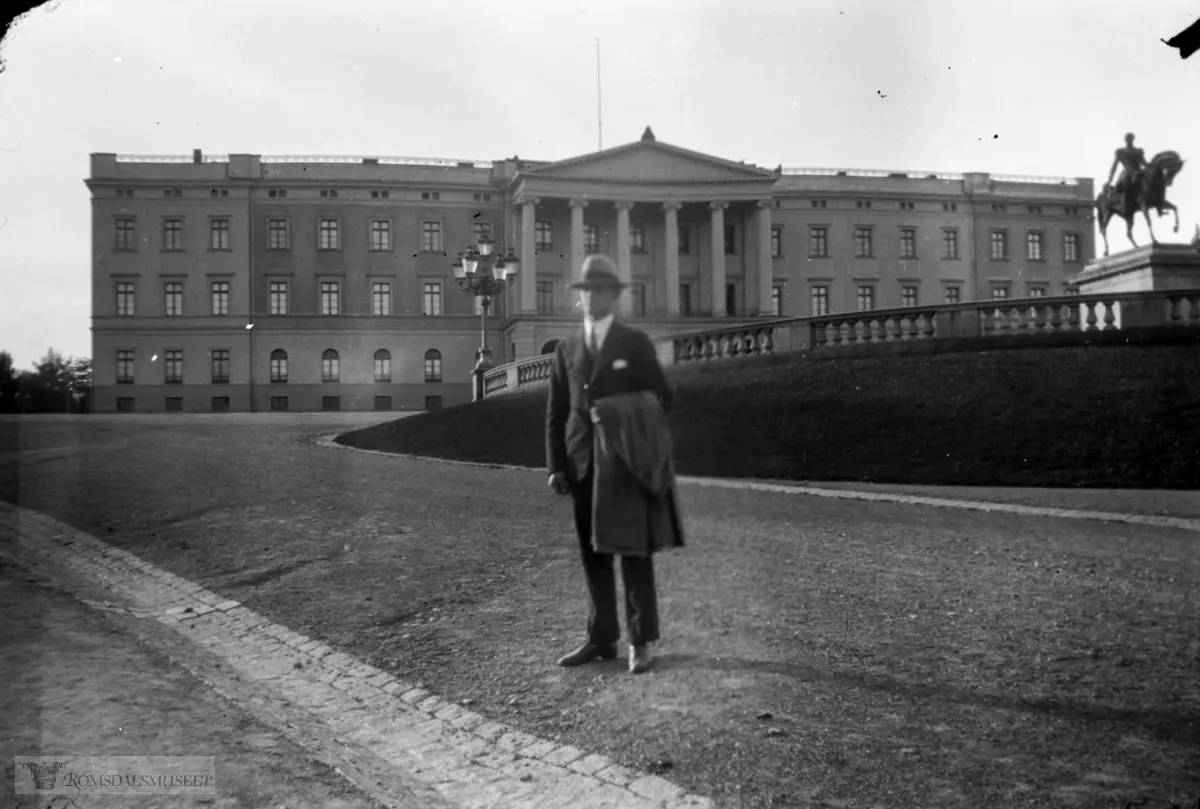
{"points": [[1158, 266]]}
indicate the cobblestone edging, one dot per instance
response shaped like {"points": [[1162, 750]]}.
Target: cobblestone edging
{"points": [[467, 759], [842, 494]]}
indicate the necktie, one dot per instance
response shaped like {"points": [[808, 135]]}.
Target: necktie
{"points": [[593, 342]]}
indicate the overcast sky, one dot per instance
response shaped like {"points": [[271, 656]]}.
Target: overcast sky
{"points": [[1017, 87]]}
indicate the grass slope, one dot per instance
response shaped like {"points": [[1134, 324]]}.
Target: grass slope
{"points": [[1125, 416]]}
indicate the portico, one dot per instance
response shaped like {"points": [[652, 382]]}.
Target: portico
{"points": [[689, 232]]}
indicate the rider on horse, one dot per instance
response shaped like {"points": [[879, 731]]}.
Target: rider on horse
{"points": [[1132, 161]]}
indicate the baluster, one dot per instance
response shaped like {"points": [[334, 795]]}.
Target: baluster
{"points": [[889, 329], [1110, 315], [1175, 308], [836, 336], [821, 335], [1073, 317], [767, 340], [986, 325], [1091, 316], [914, 329], [1055, 318], [1194, 309], [929, 330]]}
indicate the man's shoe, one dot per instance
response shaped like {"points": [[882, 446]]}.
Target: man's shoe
{"points": [[639, 659], [587, 653]]}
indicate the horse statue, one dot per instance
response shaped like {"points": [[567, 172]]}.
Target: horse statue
{"points": [[1147, 190]]}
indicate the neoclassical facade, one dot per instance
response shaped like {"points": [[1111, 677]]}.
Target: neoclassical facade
{"points": [[246, 282]]}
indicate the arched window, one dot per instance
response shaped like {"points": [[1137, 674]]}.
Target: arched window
{"points": [[383, 366], [329, 366], [549, 346], [433, 365], [279, 365]]}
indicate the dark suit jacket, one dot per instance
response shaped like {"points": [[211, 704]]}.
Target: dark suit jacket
{"points": [[576, 382]]}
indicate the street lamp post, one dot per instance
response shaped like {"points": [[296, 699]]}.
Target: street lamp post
{"points": [[484, 276]]}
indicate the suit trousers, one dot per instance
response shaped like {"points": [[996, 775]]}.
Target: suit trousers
{"points": [[637, 574]]}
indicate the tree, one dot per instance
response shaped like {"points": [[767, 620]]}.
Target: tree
{"points": [[8, 384], [57, 384]]}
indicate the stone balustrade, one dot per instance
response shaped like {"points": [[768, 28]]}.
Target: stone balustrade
{"points": [[976, 321]]}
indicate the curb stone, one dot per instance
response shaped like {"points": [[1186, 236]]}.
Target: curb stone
{"points": [[330, 441], [455, 752]]}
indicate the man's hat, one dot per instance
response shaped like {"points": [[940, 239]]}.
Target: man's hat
{"points": [[599, 272]]}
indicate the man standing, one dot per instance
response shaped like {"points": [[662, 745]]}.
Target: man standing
{"points": [[1132, 160], [605, 358]]}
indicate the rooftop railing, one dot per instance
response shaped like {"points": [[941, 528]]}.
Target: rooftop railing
{"points": [[343, 159], [924, 175]]}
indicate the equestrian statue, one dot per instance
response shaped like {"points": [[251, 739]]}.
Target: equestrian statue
{"points": [[1141, 186]]}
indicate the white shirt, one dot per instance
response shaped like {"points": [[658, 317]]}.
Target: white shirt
{"points": [[600, 327]]}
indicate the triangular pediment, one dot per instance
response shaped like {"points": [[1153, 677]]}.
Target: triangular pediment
{"points": [[650, 161]]}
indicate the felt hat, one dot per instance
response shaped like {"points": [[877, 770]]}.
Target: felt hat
{"points": [[599, 272]]}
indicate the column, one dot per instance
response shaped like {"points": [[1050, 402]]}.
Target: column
{"points": [[671, 209], [577, 241], [718, 258], [527, 273], [766, 267], [623, 268]]}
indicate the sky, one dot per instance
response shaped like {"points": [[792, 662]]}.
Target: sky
{"points": [[1045, 87]]}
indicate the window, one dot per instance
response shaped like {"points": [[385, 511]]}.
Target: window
{"points": [[685, 240], [820, 301], [220, 366], [126, 234], [328, 234], [908, 296], [173, 305], [277, 297], [949, 206], [776, 242], [220, 404], [330, 366], [999, 245], [381, 298], [862, 243], [431, 298], [383, 366], [481, 230], [1070, 247], [999, 293], [433, 365], [433, 402], [431, 237], [951, 295], [908, 243], [866, 298], [126, 404], [818, 203], [220, 297], [218, 234], [730, 299], [730, 240], [638, 300], [329, 192], [950, 244], [777, 301], [1071, 291], [124, 367], [637, 239], [383, 402], [125, 298], [545, 297], [818, 242], [864, 203], [279, 403], [1037, 292], [1033, 245], [273, 193], [685, 300], [430, 195], [174, 404], [277, 234], [381, 234], [330, 297], [172, 234], [173, 367], [331, 402], [591, 239], [544, 237], [279, 366]]}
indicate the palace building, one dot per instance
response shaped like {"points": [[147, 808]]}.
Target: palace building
{"points": [[256, 283]]}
